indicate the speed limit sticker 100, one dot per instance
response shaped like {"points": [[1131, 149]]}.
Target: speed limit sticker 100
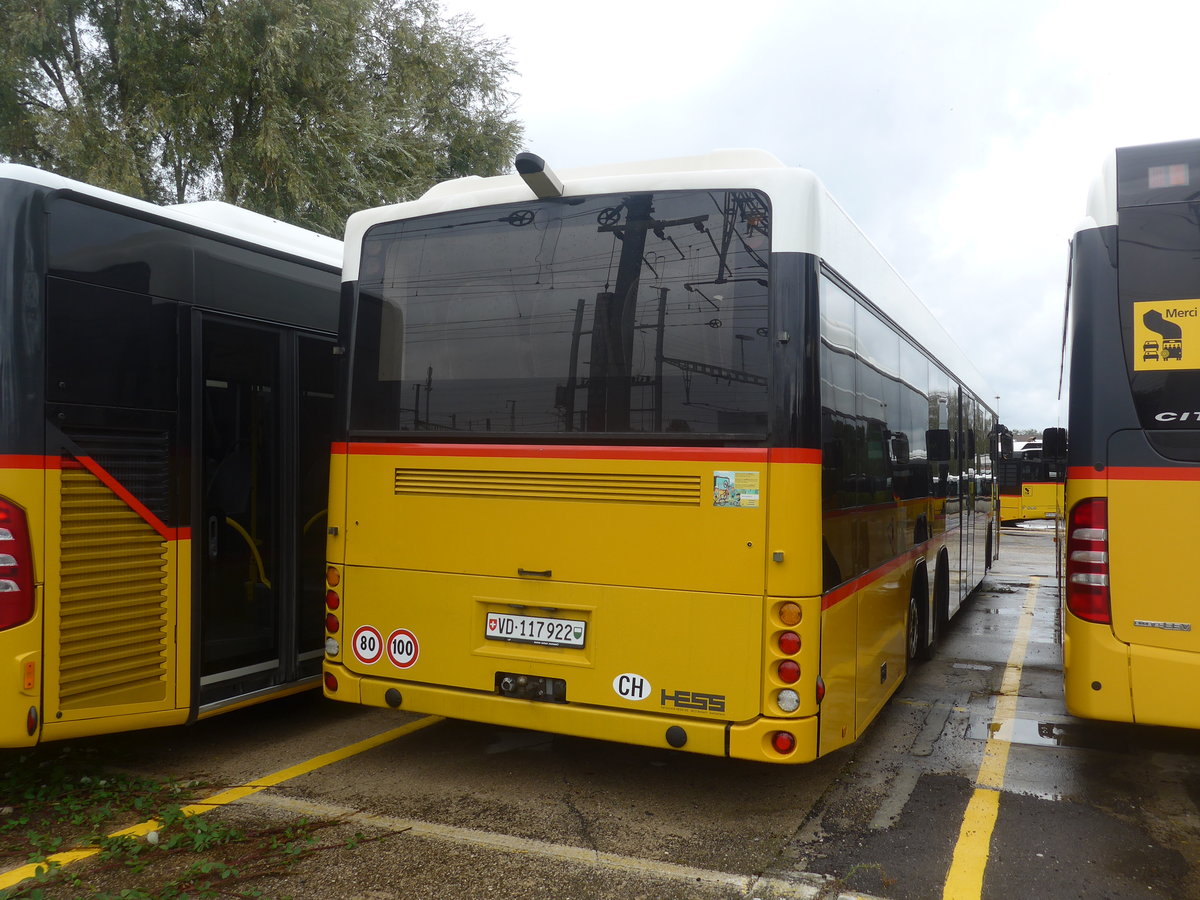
{"points": [[367, 645], [403, 648]]}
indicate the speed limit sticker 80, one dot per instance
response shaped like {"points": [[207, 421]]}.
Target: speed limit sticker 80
{"points": [[367, 645], [403, 648]]}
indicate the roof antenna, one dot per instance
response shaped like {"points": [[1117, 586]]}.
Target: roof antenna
{"points": [[540, 177]]}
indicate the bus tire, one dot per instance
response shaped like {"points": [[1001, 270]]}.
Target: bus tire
{"points": [[920, 647], [941, 594], [912, 632]]}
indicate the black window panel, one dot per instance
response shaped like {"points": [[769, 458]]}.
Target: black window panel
{"points": [[620, 314], [235, 280], [114, 249], [104, 247], [877, 403], [1159, 252], [108, 347], [910, 445]]}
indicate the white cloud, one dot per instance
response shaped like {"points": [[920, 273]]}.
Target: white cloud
{"points": [[961, 136]]}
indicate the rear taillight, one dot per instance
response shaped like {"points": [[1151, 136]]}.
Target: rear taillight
{"points": [[1087, 562], [783, 741], [16, 566]]}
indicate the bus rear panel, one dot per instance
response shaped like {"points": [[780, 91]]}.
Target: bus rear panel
{"points": [[1132, 636], [601, 472]]}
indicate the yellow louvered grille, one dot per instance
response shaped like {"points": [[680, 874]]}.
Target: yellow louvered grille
{"points": [[113, 600], [608, 487]]}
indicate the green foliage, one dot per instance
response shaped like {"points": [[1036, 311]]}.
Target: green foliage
{"points": [[58, 798], [305, 110], [52, 795]]}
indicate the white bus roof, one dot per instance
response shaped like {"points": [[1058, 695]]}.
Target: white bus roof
{"points": [[1102, 196], [208, 215], [816, 224]]}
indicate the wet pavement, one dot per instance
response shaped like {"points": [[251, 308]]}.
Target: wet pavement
{"points": [[973, 782]]}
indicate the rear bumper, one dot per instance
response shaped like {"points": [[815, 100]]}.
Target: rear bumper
{"points": [[741, 740]]}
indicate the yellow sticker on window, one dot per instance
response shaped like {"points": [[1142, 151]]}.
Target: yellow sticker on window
{"points": [[1166, 335]]}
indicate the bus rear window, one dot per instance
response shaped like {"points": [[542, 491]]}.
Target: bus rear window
{"points": [[639, 313]]}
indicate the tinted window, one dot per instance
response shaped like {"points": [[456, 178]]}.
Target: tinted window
{"points": [[91, 244], [117, 250], [109, 348], [641, 313], [875, 411], [1159, 289]]}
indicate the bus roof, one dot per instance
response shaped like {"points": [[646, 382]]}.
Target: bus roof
{"points": [[208, 215], [820, 226], [1102, 196]]}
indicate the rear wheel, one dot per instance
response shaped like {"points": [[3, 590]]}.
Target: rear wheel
{"points": [[913, 631]]}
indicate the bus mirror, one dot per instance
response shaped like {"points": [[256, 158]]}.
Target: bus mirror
{"points": [[1000, 441], [1054, 443], [938, 443]]}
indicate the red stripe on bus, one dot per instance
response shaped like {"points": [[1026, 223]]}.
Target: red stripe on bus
{"points": [[794, 455], [165, 531], [854, 585], [543, 451], [1135, 473], [27, 461]]}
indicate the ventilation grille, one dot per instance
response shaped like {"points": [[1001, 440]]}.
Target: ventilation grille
{"points": [[610, 488], [139, 460], [113, 599]]}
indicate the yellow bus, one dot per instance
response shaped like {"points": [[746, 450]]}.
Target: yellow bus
{"points": [[1132, 623], [659, 453], [168, 384], [1030, 479]]}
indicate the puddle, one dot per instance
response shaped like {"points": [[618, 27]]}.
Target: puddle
{"points": [[974, 667], [1022, 731]]}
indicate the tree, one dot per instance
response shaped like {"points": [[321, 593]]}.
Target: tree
{"points": [[305, 110]]}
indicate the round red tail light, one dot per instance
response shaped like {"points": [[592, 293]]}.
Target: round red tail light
{"points": [[332, 600], [332, 624], [331, 684], [789, 671], [783, 742], [789, 642]]}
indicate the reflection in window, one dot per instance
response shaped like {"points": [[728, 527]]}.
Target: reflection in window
{"points": [[885, 408], [635, 313]]}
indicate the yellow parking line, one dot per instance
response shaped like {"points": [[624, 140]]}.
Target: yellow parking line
{"points": [[15, 876], [964, 881]]}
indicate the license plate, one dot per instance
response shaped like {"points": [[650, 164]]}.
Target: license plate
{"points": [[535, 630]]}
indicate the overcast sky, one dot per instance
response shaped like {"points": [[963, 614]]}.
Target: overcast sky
{"points": [[962, 136]]}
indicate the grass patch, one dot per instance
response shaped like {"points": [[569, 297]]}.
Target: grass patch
{"points": [[63, 799]]}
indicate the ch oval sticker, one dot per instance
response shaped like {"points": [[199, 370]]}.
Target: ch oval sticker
{"points": [[631, 687]]}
